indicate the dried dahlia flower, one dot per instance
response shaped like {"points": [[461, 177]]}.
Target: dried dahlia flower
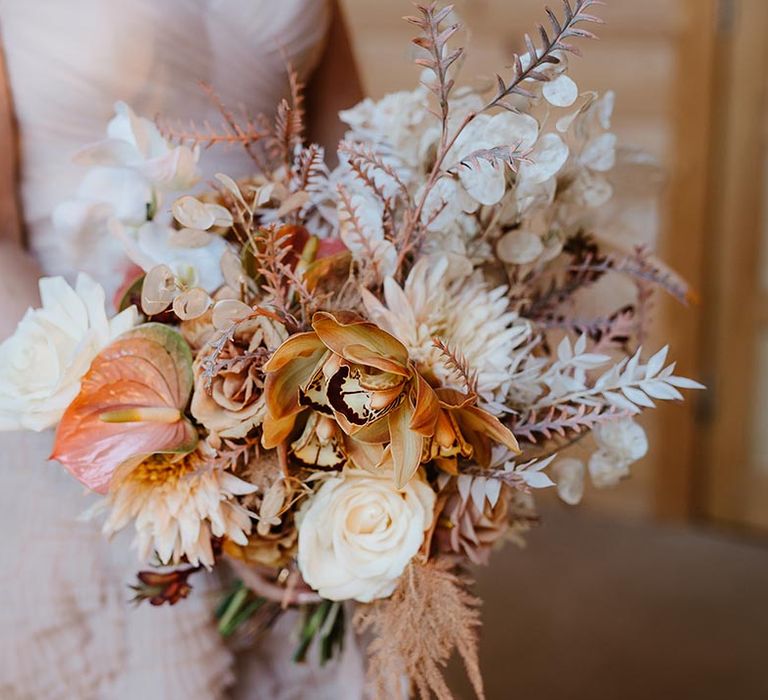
{"points": [[179, 504]]}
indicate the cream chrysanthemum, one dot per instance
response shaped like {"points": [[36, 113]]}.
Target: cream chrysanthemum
{"points": [[443, 299], [178, 504]]}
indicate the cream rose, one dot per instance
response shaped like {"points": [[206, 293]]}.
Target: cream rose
{"points": [[42, 363], [358, 533], [232, 404]]}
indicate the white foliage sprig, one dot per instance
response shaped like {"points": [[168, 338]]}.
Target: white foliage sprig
{"points": [[629, 385]]}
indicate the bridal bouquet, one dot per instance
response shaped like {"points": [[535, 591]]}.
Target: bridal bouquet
{"points": [[348, 382]]}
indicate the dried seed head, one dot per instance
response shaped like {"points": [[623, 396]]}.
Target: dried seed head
{"points": [[222, 217], [229, 311], [158, 290], [191, 304], [190, 238], [190, 212], [232, 269]]}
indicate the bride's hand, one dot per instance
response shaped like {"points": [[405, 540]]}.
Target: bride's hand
{"points": [[18, 285]]}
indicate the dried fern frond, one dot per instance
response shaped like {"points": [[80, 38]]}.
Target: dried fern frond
{"points": [[458, 364], [538, 57], [288, 130], [509, 155], [309, 171], [207, 135], [641, 265], [587, 264], [612, 332], [279, 280], [416, 630], [561, 421], [245, 132], [433, 40], [369, 166]]}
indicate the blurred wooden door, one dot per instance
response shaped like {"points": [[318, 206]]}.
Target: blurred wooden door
{"points": [[735, 448]]}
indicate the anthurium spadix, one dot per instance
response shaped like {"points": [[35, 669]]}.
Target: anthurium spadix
{"points": [[131, 404]]}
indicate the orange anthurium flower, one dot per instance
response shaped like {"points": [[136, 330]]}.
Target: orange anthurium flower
{"points": [[131, 404]]}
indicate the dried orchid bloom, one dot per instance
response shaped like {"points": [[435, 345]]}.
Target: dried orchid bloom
{"points": [[362, 378], [359, 375], [321, 444], [470, 426]]}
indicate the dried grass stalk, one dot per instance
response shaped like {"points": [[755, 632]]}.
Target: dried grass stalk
{"points": [[430, 615]]}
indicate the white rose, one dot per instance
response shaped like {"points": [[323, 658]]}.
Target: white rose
{"points": [[358, 533], [42, 363], [623, 438]]}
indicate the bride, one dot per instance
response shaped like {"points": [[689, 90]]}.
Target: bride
{"points": [[65, 627]]}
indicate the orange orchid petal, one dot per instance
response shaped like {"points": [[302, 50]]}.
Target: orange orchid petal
{"points": [[361, 355], [474, 419], [364, 455], [276, 430], [453, 398], [427, 408], [298, 346], [363, 339], [292, 369], [131, 404], [405, 444], [375, 433]]}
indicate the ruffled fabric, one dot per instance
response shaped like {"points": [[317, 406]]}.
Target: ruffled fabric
{"points": [[66, 628], [69, 62]]}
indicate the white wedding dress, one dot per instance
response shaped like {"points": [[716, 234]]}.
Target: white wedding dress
{"points": [[66, 630]]}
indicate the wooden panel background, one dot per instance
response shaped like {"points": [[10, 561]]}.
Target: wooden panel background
{"points": [[656, 56]]}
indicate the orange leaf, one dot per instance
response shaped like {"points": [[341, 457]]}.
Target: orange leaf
{"points": [[131, 404]]}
